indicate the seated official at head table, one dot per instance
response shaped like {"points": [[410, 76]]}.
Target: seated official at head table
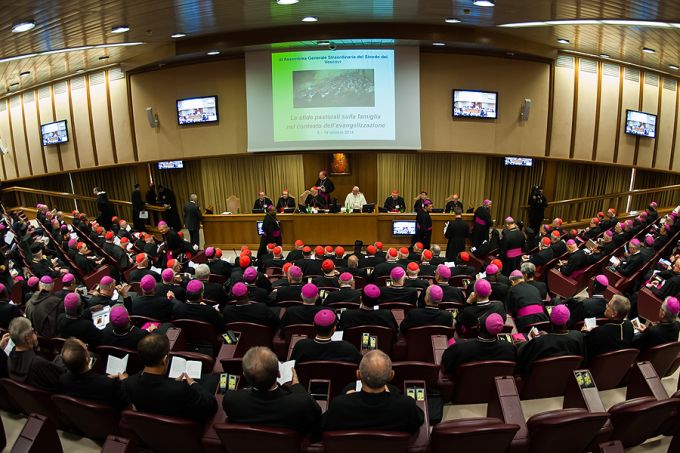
{"points": [[313, 199], [262, 202], [285, 201], [395, 202], [355, 199]]}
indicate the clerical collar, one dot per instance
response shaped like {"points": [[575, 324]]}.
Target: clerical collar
{"points": [[322, 340], [486, 340]]}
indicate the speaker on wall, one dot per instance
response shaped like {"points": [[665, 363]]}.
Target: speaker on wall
{"points": [[526, 109], [152, 118]]}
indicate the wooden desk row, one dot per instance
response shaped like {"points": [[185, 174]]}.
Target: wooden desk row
{"points": [[235, 230]]}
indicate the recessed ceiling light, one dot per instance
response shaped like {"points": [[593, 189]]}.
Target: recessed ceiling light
{"points": [[178, 35], [604, 55], [648, 50], [563, 41], [104, 57], [214, 52], [23, 26], [452, 20], [323, 43], [438, 44], [120, 29], [484, 3], [636, 23], [309, 19], [79, 71], [25, 73], [573, 22], [287, 2], [673, 67]]}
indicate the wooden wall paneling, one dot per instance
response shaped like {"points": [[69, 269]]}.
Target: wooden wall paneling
{"points": [[563, 106], [665, 123], [8, 164], [551, 102], [598, 103], [609, 101], [99, 118], [81, 118], [16, 124], [123, 134], [32, 133], [63, 110], [650, 103], [112, 133], [45, 105], [586, 104], [630, 99], [672, 164]]}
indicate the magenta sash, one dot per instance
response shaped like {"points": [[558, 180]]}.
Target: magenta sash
{"points": [[480, 221], [276, 233], [530, 310], [576, 274], [514, 253]]}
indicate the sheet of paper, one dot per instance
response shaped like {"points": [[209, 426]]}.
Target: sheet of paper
{"points": [[177, 367], [9, 347], [115, 295], [114, 365], [590, 323], [156, 270], [337, 336], [615, 261], [357, 385], [74, 236], [286, 371], [193, 265], [9, 237], [450, 264], [116, 240], [101, 318]]}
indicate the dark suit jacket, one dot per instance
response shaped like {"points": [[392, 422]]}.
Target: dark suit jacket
{"points": [[192, 216], [94, 387]]}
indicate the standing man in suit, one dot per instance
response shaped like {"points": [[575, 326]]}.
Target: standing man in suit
{"points": [[192, 218], [137, 207], [482, 223], [271, 231], [105, 208], [456, 232], [325, 185]]}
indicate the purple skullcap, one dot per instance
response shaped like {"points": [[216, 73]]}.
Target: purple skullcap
{"points": [[436, 293], [644, 214], [19, 278], [3, 289], [621, 225], [635, 242], [486, 202], [516, 273], [571, 242], [397, 273], [560, 315], [649, 240], [674, 214], [210, 252], [673, 305], [629, 222], [609, 233], [509, 219], [653, 204], [482, 288], [239, 289], [71, 301], [105, 281], [33, 281], [168, 275], [491, 269], [72, 242], [162, 223], [2, 226], [346, 277], [148, 283], [602, 280], [62, 228], [195, 286], [295, 272], [667, 227], [46, 280], [68, 278], [119, 316], [427, 203], [372, 291], [250, 274], [494, 324], [324, 318], [309, 291], [444, 271]]}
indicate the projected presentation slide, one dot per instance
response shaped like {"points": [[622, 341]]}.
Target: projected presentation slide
{"points": [[338, 95]]}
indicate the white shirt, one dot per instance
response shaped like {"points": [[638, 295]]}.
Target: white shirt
{"points": [[355, 201]]}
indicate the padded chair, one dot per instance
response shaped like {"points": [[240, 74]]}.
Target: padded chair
{"points": [[233, 204], [564, 430], [473, 381], [459, 280], [549, 376], [139, 321], [199, 333], [288, 303], [385, 336], [610, 368], [251, 335], [115, 444], [396, 306], [103, 352], [415, 371], [544, 326], [648, 304], [340, 374], [33, 400], [469, 434], [46, 348], [364, 441], [662, 357], [92, 280], [563, 285], [639, 419], [241, 438], [217, 278], [93, 420], [38, 436], [339, 305], [359, 282], [419, 342], [162, 433]]}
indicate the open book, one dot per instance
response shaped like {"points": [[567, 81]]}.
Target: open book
{"points": [[179, 365], [115, 366], [285, 372]]}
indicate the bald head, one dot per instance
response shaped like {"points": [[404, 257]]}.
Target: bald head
{"points": [[375, 370], [261, 367]]}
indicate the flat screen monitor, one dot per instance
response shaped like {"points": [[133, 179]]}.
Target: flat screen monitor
{"points": [[259, 228], [519, 161], [403, 227], [197, 110], [475, 104], [54, 133], [640, 123], [170, 164]]}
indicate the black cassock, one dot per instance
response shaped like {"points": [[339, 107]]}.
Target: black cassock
{"points": [[329, 187], [456, 233], [171, 216], [511, 249], [423, 229], [271, 234], [395, 205], [319, 201], [452, 205], [105, 210], [262, 204], [549, 345], [481, 223], [284, 203]]}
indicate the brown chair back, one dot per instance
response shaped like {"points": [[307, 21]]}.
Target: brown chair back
{"points": [[468, 434], [419, 342], [549, 376], [564, 430], [199, 332], [163, 433], [38, 436], [34, 400], [473, 381], [251, 335], [385, 336], [365, 441], [240, 438], [610, 368], [415, 371], [638, 419], [93, 420], [340, 374], [661, 357]]}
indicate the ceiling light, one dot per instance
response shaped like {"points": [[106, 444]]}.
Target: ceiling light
{"points": [[323, 43], [214, 52], [79, 71], [118, 44], [104, 57], [604, 55], [23, 26], [25, 73], [563, 41], [120, 29], [309, 19], [636, 23], [523, 24], [673, 67], [484, 3], [452, 20], [287, 2], [648, 50], [178, 35], [438, 44], [573, 22]]}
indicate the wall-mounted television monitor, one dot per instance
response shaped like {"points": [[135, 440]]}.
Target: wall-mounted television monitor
{"points": [[640, 123], [54, 133], [403, 227], [519, 161], [197, 110], [170, 164], [475, 104]]}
